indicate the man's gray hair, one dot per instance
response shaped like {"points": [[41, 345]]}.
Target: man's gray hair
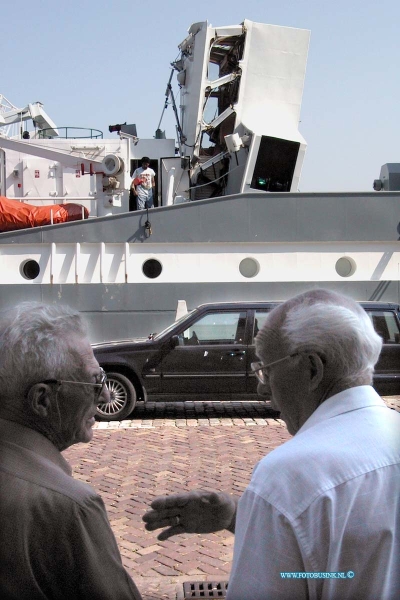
{"points": [[34, 342], [332, 325]]}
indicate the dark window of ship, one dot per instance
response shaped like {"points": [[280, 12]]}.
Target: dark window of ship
{"points": [[275, 165], [30, 269], [152, 268]]}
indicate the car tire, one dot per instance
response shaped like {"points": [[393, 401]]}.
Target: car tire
{"points": [[122, 398]]}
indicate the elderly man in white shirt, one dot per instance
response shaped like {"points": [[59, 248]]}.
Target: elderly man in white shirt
{"points": [[320, 518]]}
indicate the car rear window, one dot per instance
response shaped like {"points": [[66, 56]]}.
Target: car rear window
{"points": [[386, 325], [260, 316]]}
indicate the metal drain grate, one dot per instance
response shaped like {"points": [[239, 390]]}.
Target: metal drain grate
{"points": [[196, 590]]}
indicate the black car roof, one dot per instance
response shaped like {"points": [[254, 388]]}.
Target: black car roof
{"points": [[262, 304]]}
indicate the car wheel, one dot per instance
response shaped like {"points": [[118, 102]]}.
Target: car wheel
{"points": [[122, 399]]}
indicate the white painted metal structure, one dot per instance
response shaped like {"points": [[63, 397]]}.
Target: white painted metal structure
{"points": [[43, 171], [70, 263], [256, 74], [11, 115], [247, 236]]}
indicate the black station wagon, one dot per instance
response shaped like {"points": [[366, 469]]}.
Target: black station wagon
{"points": [[207, 355]]}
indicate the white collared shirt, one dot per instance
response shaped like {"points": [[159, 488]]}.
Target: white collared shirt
{"points": [[326, 501]]}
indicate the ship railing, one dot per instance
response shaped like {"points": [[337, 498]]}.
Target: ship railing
{"points": [[83, 215], [55, 199], [68, 133]]}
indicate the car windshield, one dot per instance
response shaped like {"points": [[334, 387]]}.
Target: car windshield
{"points": [[165, 331]]}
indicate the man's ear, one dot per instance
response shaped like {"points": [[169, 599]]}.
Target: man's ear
{"points": [[39, 398], [317, 368]]}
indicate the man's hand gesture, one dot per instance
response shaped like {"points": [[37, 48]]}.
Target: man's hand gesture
{"points": [[192, 512]]}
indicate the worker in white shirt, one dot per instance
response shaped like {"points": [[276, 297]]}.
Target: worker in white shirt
{"points": [[143, 185]]}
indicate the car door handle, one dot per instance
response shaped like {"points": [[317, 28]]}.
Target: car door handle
{"points": [[236, 353]]}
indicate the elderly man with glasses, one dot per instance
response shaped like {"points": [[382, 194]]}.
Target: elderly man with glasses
{"points": [[320, 518], [56, 541]]}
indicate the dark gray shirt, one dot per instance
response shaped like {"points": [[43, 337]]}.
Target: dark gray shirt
{"points": [[55, 538]]}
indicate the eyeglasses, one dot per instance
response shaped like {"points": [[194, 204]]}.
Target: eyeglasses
{"points": [[98, 387], [258, 368]]}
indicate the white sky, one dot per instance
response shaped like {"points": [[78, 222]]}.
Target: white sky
{"points": [[93, 64]]}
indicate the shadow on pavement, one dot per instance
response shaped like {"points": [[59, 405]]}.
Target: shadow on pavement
{"points": [[205, 410]]}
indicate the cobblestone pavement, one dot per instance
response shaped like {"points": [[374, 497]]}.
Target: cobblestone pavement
{"points": [[168, 448]]}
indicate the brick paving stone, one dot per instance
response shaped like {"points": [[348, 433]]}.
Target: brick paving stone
{"points": [[149, 549], [150, 559], [393, 402], [164, 570], [193, 572], [168, 448], [128, 563], [169, 562], [213, 571]]}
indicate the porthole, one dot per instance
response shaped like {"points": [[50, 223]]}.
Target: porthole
{"points": [[152, 268], [249, 267], [345, 266], [29, 269]]}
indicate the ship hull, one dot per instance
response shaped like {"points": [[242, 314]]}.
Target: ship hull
{"points": [[245, 247], [120, 311]]}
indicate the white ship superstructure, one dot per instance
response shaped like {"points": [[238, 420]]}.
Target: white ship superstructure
{"points": [[228, 222]]}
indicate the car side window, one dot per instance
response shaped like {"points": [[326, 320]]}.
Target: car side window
{"points": [[259, 320], [386, 325], [217, 328]]}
